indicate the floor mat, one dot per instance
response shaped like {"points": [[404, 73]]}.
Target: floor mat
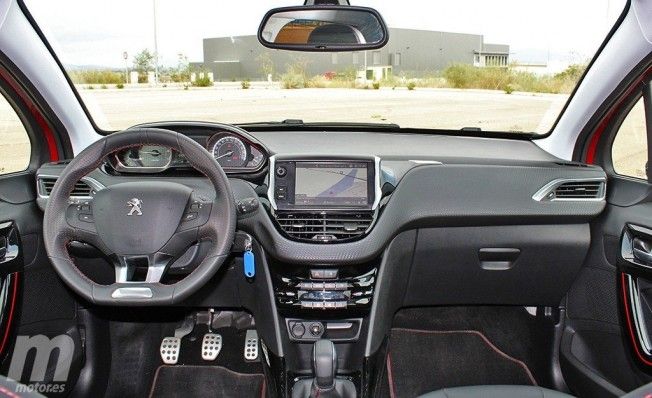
{"points": [[512, 329], [134, 349], [205, 381], [421, 361]]}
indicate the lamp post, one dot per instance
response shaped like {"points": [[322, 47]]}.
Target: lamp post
{"points": [[155, 46], [125, 56]]}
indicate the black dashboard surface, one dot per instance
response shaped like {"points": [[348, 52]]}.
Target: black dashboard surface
{"points": [[441, 181], [401, 146]]}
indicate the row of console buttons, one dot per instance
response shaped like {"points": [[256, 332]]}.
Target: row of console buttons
{"points": [[324, 273], [324, 305], [323, 286]]}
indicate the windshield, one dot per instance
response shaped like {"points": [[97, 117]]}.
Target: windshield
{"points": [[506, 65]]}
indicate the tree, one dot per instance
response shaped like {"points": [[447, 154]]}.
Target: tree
{"points": [[144, 61], [266, 64], [182, 72], [299, 66]]}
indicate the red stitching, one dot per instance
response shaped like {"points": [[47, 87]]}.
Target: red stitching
{"points": [[263, 389], [630, 328], [9, 393], [390, 377], [10, 317]]}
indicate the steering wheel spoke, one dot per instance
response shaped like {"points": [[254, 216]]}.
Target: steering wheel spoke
{"points": [[127, 267]]}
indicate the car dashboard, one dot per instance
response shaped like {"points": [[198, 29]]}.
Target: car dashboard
{"points": [[350, 226]]}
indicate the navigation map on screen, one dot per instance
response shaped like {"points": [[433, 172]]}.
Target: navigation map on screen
{"points": [[327, 184]]}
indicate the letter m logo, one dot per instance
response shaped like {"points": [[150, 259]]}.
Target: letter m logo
{"points": [[44, 348]]}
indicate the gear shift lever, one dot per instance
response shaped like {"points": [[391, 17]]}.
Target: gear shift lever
{"points": [[324, 361], [324, 384]]}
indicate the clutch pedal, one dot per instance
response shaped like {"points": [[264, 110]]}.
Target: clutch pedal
{"points": [[211, 346], [170, 348], [251, 346]]}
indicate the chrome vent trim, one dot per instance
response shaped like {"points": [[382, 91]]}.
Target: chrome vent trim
{"points": [[325, 226], [85, 188], [573, 190]]}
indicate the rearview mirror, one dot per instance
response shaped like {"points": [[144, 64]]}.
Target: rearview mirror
{"points": [[323, 28]]}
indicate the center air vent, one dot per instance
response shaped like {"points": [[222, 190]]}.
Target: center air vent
{"points": [[594, 189], [82, 189], [325, 227]]}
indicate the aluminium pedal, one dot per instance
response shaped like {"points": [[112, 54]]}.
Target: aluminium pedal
{"points": [[251, 346], [170, 350], [211, 346]]}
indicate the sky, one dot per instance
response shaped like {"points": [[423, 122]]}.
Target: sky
{"points": [[97, 33]]}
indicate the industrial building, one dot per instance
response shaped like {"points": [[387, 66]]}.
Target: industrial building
{"points": [[409, 52]]}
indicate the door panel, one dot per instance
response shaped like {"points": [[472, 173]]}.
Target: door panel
{"points": [[596, 356], [33, 300], [606, 347], [635, 282]]}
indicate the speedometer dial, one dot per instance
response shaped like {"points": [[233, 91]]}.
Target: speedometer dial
{"points": [[230, 152]]}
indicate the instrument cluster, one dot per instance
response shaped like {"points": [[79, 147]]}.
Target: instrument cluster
{"points": [[235, 153]]}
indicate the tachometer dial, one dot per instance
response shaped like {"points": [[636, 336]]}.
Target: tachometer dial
{"points": [[230, 152], [146, 156]]}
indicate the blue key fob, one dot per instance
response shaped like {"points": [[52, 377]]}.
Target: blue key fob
{"points": [[249, 264]]}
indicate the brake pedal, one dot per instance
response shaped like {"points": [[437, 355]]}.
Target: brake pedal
{"points": [[170, 349], [251, 345], [211, 346]]}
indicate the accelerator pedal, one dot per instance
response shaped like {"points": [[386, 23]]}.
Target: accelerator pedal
{"points": [[251, 346]]}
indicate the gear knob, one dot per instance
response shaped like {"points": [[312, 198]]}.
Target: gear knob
{"points": [[324, 360]]}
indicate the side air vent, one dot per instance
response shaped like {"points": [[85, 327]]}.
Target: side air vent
{"points": [[579, 190], [325, 227], [592, 189], [83, 188]]}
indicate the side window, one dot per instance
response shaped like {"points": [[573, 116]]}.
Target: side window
{"points": [[629, 150], [15, 149]]}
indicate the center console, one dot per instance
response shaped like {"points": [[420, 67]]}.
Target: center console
{"points": [[324, 201]]}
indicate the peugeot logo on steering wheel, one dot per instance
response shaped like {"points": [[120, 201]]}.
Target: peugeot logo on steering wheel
{"points": [[136, 207]]}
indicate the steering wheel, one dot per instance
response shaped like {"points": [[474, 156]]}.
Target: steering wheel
{"points": [[141, 223]]}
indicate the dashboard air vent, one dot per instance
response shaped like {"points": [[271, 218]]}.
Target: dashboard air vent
{"points": [[82, 189], [325, 227], [570, 189], [580, 190]]}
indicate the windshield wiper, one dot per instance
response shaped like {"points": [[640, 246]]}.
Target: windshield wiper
{"points": [[301, 123], [474, 129], [479, 130]]}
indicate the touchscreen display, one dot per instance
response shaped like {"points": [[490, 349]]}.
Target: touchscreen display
{"points": [[329, 184]]}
